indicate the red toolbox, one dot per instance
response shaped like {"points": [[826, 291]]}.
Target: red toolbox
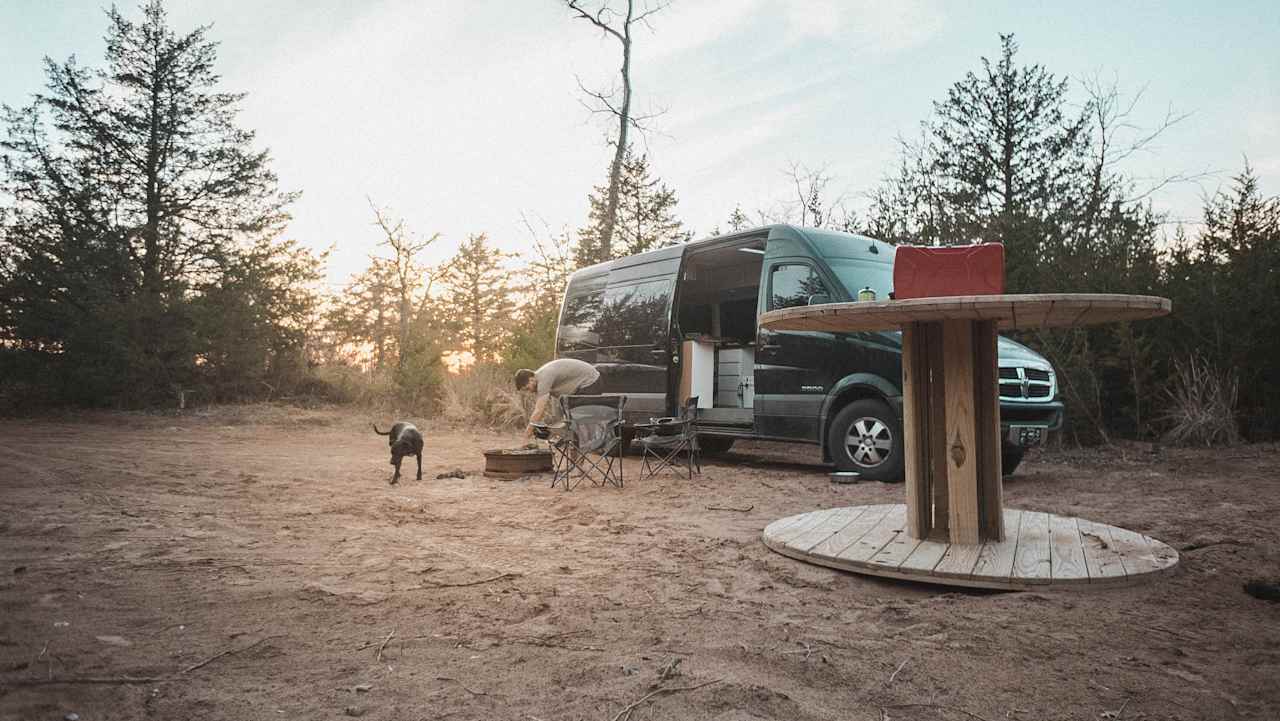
{"points": [[924, 272]]}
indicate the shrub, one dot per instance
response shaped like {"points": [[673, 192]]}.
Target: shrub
{"points": [[484, 395], [347, 384], [1202, 404]]}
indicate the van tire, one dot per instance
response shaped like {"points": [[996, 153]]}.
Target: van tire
{"points": [[714, 445], [867, 421], [1009, 460]]}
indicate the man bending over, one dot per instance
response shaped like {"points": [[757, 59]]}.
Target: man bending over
{"points": [[560, 377]]}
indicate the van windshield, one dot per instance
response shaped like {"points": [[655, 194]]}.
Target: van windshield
{"points": [[856, 273]]}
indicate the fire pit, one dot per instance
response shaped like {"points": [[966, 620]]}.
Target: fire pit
{"points": [[510, 464]]}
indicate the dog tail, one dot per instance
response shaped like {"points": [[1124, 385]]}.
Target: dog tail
{"points": [[375, 430]]}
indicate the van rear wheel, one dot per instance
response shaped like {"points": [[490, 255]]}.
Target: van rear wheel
{"points": [[866, 438]]}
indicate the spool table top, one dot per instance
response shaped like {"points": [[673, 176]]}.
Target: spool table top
{"points": [[1009, 311]]}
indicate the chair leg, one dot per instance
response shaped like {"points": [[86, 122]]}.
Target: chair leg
{"points": [[656, 461]]}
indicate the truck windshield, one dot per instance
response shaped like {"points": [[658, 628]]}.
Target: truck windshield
{"points": [[856, 273]]}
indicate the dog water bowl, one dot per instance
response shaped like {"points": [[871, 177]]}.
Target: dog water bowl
{"points": [[510, 464], [846, 477]]}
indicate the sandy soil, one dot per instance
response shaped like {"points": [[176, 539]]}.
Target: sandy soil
{"points": [[254, 564]]}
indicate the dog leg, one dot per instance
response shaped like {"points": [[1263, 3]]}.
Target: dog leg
{"points": [[419, 466], [396, 478]]}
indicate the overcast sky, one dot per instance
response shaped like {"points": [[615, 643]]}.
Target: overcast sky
{"points": [[461, 115]]}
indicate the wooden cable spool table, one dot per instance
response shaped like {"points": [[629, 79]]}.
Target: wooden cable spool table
{"points": [[954, 528]]}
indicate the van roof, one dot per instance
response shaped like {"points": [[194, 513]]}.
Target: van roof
{"points": [[826, 243]]}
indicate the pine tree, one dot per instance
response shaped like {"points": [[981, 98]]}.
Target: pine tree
{"points": [[478, 298], [1225, 286], [1001, 160], [543, 282], [132, 186], [645, 216], [361, 314]]}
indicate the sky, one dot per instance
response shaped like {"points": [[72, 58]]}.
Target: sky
{"points": [[465, 117]]}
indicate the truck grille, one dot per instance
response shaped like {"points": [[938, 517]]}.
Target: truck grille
{"points": [[1019, 384]]}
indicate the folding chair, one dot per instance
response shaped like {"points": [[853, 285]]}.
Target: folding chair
{"points": [[588, 442], [556, 436], [663, 440]]}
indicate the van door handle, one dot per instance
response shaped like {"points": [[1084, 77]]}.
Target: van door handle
{"points": [[769, 346]]}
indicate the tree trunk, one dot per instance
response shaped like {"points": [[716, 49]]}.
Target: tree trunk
{"points": [[624, 120], [151, 276]]}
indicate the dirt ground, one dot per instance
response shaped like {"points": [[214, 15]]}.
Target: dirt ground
{"points": [[254, 563]]}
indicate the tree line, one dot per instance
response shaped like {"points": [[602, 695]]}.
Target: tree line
{"points": [[142, 254]]}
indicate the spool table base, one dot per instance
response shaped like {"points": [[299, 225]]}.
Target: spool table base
{"points": [[1040, 550]]}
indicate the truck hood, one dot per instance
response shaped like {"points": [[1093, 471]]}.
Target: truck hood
{"points": [[1010, 352], [1013, 353]]}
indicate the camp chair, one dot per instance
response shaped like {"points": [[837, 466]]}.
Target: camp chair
{"points": [[588, 442], [664, 439], [555, 434]]}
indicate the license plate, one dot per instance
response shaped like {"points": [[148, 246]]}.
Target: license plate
{"points": [[1026, 435]]}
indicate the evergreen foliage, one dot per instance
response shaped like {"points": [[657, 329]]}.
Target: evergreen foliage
{"points": [[645, 217], [478, 299], [543, 282], [1225, 287], [135, 194]]}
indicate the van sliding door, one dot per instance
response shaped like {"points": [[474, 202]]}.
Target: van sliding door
{"points": [[634, 357]]}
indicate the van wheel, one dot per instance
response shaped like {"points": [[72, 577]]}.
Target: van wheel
{"points": [[714, 445], [1009, 460], [866, 438]]}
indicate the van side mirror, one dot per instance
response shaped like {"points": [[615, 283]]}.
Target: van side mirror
{"points": [[819, 299]]}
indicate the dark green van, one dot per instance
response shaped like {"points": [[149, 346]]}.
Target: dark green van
{"points": [[679, 322]]}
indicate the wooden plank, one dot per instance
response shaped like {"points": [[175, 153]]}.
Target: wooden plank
{"points": [[1136, 552], [819, 533], [1008, 311], [958, 561], [782, 524], [1031, 563], [1066, 554], [925, 556], [805, 522], [937, 449], [987, 427], [813, 520], [890, 526], [1165, 556], [962, 450], [851, 533], [915, 415], [996, 557], [1101, 558], [1031, 314], [896, 551]]}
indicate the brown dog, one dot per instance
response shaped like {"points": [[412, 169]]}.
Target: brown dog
{"points": [[405, 440]]}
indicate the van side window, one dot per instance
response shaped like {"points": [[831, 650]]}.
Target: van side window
{"points": [[633, 315], [578, 322], [791, 285]]}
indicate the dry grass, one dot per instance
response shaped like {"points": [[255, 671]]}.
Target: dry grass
{"points": [[1202, 402], [485, 396], [356, 387]]}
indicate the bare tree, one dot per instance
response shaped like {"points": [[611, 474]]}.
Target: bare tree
{"points": [[811, 205], [404, 263], [605, 19], [1118, 137]]}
